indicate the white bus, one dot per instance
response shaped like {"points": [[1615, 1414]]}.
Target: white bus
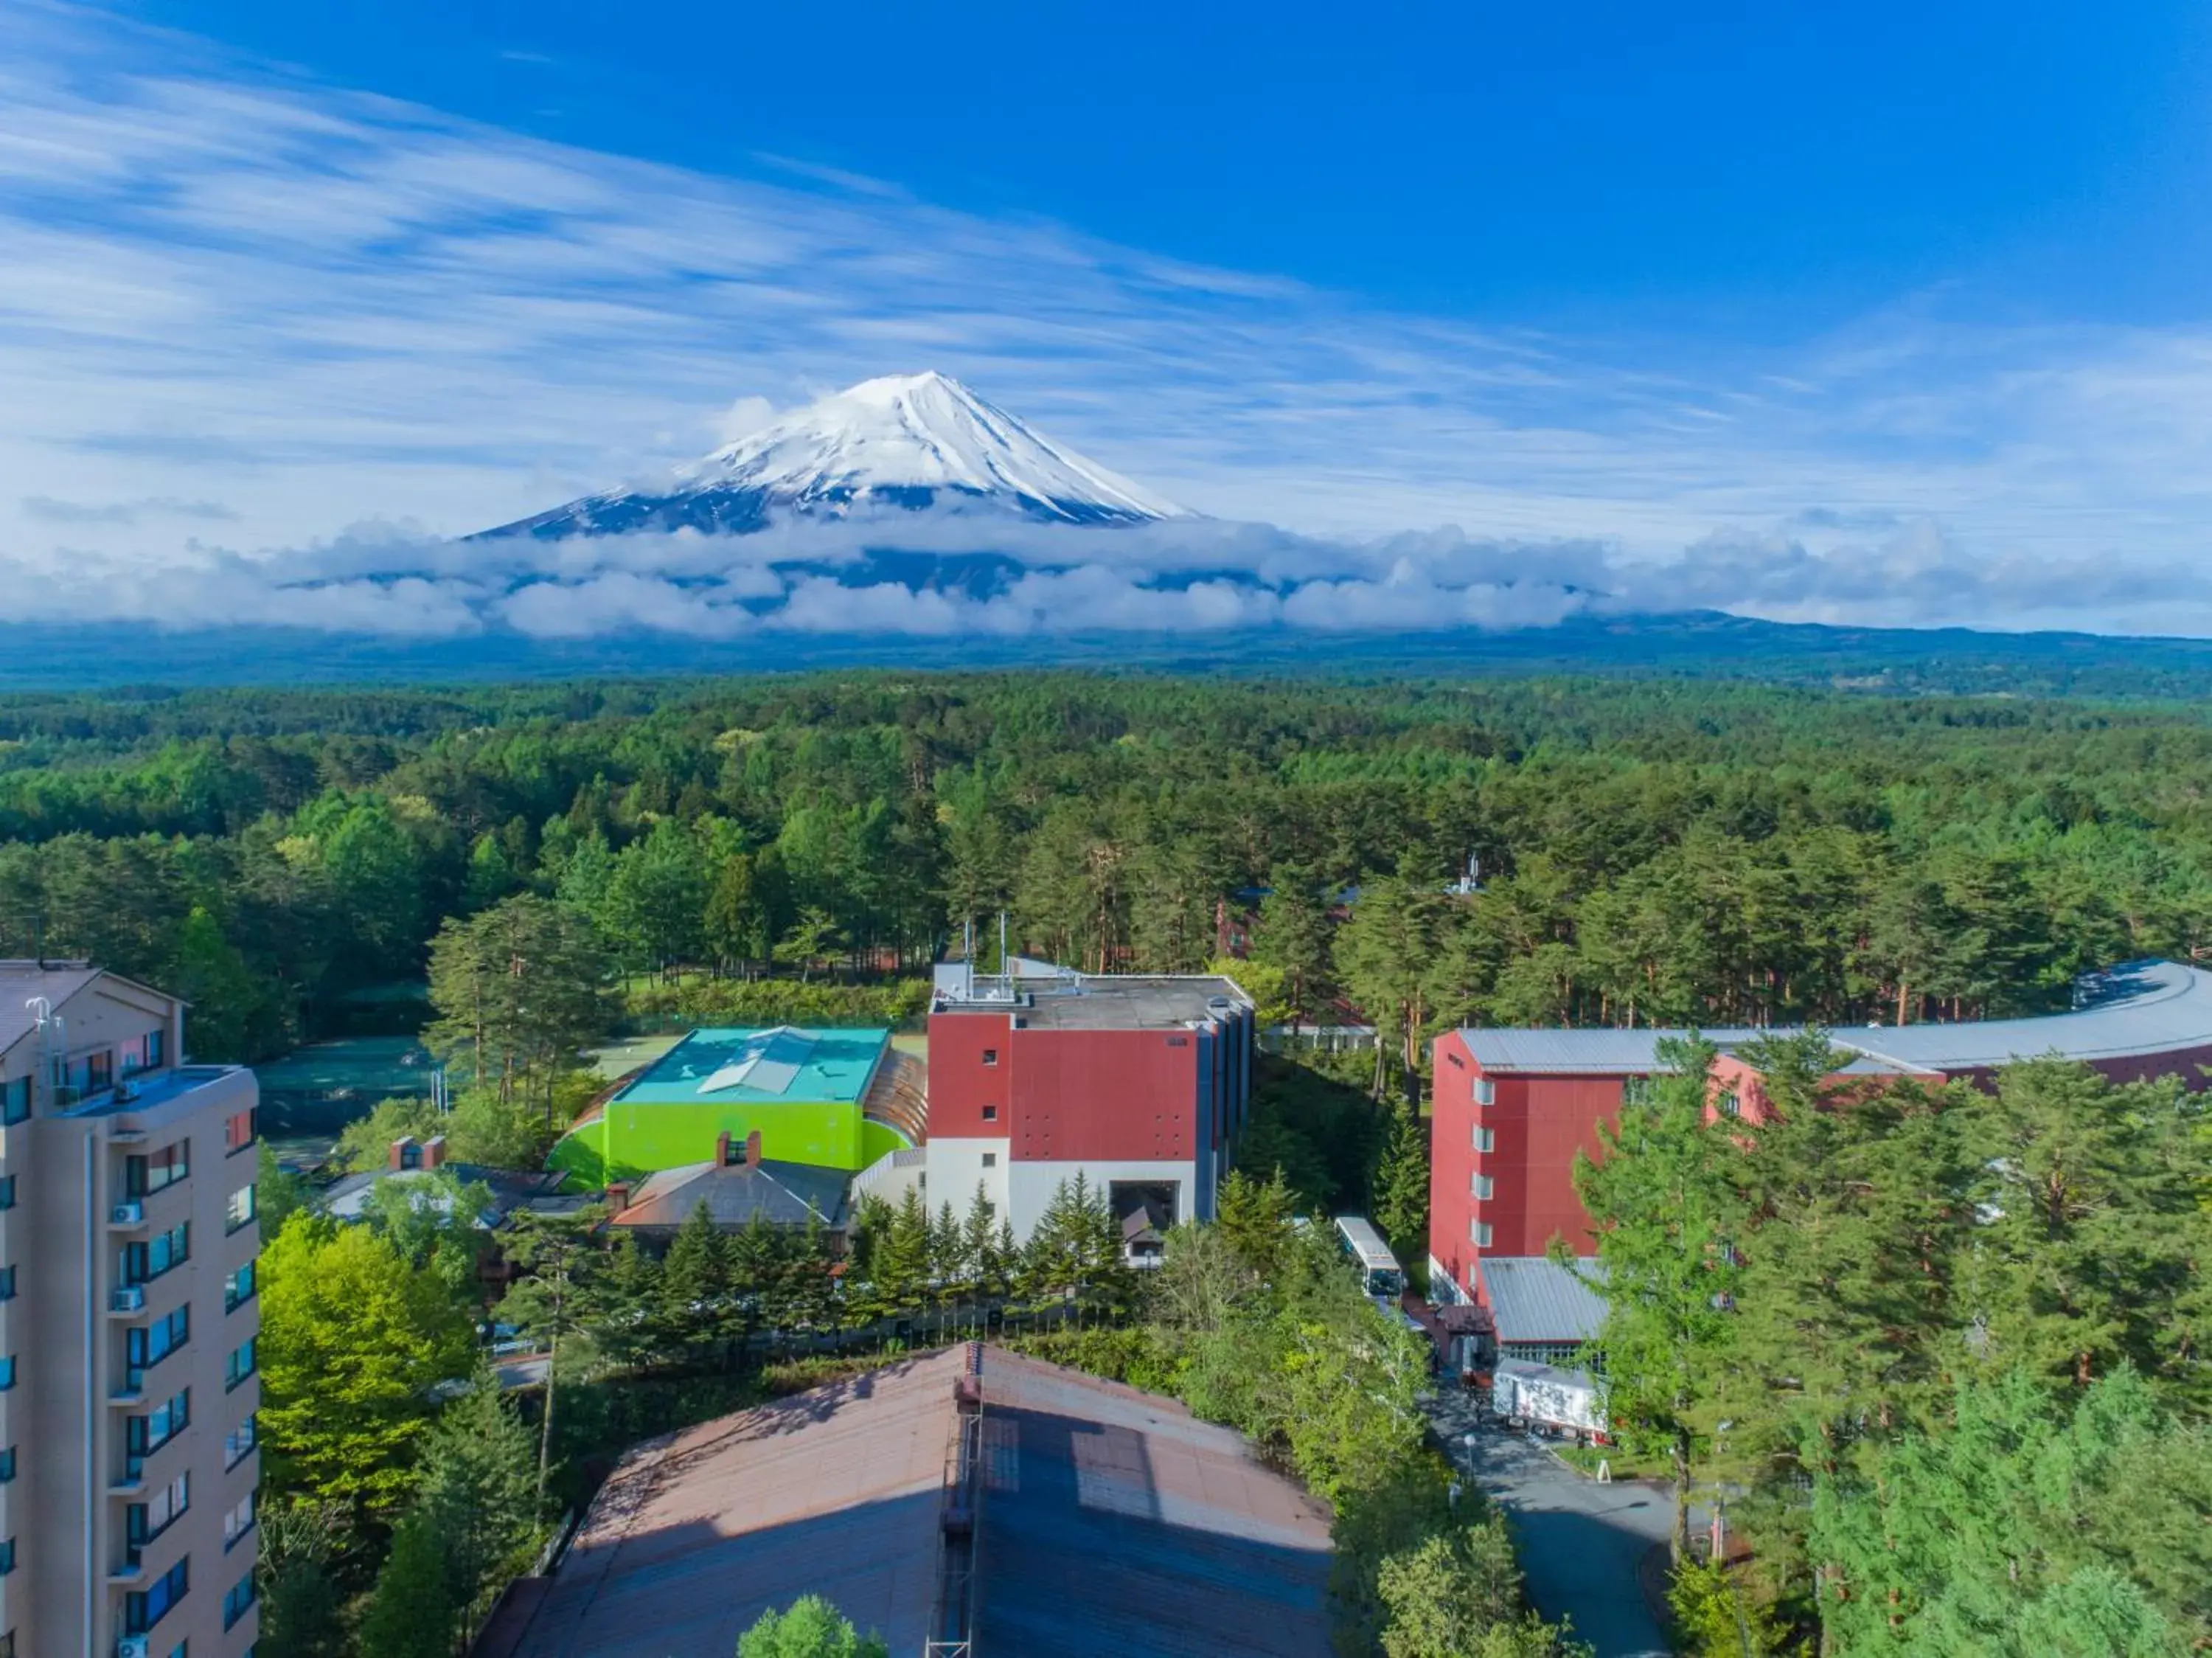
{"points": [[1379, 1272]]}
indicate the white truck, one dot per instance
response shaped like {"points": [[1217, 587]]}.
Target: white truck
{"points": [[1557, 1401]]}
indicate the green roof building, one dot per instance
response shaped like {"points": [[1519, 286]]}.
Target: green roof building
{"points": [[829, 1097]]}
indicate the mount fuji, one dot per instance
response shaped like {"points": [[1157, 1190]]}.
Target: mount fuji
{"points": [[904, 443]]}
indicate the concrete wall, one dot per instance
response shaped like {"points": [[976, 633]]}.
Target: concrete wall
{"points": [[956, 1166]]}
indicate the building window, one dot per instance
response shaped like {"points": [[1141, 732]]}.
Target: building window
{"points": [[100, 1070], [7, 1282], [239, 1520], [990, 1159], [239, 1601], [1485, 1091], [8, 1645], [144, 1521], [1482, 1185], [239, 1212], [990, 1056], [1730, 1105], [144, 1435], [7, 1557], [15, 1101], [143, 1176], [1486, 1139], [143, 1608], [7, 1191], [157, 1048], [990, 1113], [1478, 1232], [144, 1349], [238, 1366], [237, 1289], [238, 1444], [7, 1373], [7, 1465], [240, 1130], [142, 1262]]}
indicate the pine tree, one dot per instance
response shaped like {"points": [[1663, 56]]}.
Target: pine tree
{"points": [[697, 1283], [555, 1261], [1401, 1186], [1667, 1219], [1254, 1219], [1293, 938], [901, 1261], [979, 1244]]}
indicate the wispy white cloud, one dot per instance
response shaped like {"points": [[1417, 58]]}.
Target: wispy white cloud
{"points": [[319, 307]]}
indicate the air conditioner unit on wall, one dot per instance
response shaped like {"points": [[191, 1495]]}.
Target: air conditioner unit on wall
{"points": [[128, 1215], [133, 1646], [129, 1299]]}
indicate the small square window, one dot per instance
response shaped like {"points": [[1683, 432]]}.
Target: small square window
{"points": [[990, 1056], [1485, 1092], [1479, 1232], [1486, 1139], [1483, 1186], [990, 1113], [990, 1159]]}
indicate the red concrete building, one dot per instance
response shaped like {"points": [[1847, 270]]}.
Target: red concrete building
{"points": [[1137, 1082], [1513, 1107]]}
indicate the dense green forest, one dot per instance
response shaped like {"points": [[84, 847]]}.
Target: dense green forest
{"points": [[1654, 851], [1885, 1359]]}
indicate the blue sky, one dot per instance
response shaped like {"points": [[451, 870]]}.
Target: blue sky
{"points": [[1880, 313]]}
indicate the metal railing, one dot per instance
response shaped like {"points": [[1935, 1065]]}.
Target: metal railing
{"points": [[952, 1616]]}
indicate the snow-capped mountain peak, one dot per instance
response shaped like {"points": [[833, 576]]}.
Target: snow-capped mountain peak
{"points": [[908, 442]]}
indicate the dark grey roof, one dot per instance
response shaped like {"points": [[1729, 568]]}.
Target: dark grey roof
{"points": [[1534, 1298], [347, 1196], [21, 982], [783, 1194], [1130, 1002], [1114, 1521], [2139, 1009]]}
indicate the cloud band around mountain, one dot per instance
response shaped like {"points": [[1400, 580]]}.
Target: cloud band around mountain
{"points": [[941, 575]]}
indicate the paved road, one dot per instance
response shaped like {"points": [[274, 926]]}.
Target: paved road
{"points": [[1580, 1541]]}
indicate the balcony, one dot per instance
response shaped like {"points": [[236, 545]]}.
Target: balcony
{"points": [[145, 1091]]}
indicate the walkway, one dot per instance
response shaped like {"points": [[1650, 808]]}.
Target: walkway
{"points": [[1580, 1541]]}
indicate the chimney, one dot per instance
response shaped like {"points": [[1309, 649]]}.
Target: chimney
{"points": [[399, 1157], [617, 1197], [722, 1149], [752, 1150], [433, 1151]]}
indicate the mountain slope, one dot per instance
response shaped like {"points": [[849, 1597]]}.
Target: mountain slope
{"points": [[909, 442]]}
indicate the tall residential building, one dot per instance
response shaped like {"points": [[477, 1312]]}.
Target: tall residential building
{"points": [[128, 1385]]}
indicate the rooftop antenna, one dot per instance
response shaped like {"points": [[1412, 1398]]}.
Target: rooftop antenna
{"points": [[51, 1031]]}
